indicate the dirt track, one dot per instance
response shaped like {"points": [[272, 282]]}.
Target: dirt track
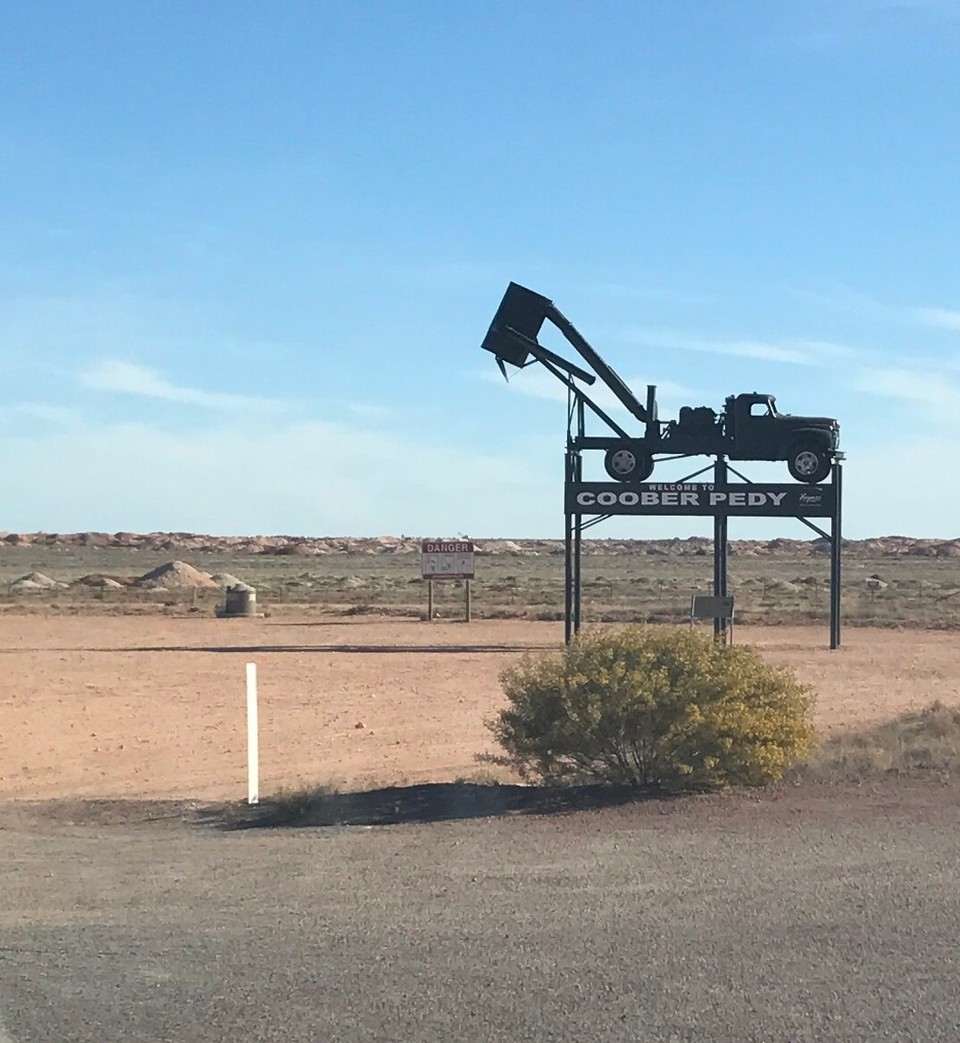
{"points": [[153, 707], [788, 917]]}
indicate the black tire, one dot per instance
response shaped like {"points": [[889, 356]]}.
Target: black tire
{"points": [[628, 462], [808, 463]]}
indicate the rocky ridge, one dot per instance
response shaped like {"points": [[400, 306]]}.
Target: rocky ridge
{"points": [[887, 546]]}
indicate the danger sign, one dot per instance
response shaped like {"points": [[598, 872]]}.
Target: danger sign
{"points": [[447, 559]]}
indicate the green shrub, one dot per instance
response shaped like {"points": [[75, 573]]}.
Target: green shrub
{"points": [[652, 707]]}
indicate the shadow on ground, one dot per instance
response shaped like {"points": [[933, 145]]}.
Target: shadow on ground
{"points": [[259, 649], [428, 802]]}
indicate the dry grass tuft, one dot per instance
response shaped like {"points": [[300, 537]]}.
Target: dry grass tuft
{"points": [[922, 743], [309, 806]]}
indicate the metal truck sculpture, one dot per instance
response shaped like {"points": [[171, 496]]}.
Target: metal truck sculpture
{"points": [[749, 427]]}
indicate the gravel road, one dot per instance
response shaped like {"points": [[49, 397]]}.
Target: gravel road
{"points": [[819, 915]]}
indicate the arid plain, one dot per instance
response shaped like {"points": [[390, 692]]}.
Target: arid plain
{"points": [[111, 691]]}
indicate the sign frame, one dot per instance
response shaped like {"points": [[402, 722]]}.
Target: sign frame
{"points": [[442, 560], [447, 559]]}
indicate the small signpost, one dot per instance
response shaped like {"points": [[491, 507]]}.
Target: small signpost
{"points": [[444, 560], [705, 606]]}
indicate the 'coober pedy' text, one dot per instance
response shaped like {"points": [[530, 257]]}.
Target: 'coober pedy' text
{"points": [[679, 498]]}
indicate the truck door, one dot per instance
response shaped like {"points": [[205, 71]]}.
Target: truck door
{"points": [[755, 432]]}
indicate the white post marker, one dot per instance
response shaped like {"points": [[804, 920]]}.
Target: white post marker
{"points": [[253, 738]]}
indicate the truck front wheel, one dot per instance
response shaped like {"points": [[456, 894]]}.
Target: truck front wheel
{"points": [[628, 463], [808, 463]]}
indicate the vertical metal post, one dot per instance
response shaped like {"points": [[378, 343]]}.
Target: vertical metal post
{"points": [[567, 550], [468, 602], [430, 600], [577, 544], [835, 549], [720, 552]]}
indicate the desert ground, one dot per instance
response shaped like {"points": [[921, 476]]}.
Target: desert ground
{"points": [[119, 681], [143, 902], [154, 706]]}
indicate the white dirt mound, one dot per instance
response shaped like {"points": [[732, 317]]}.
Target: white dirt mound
{"points": [[175, 574], [36, 581], [782, 586], [100, 582], [227, 579]]}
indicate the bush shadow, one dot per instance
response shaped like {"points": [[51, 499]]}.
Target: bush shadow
{"points": [[345, 649], [426, 802]]}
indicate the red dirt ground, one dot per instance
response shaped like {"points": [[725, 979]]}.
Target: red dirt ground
{"points": [[119, 706]]}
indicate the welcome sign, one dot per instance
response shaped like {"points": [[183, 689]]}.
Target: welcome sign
{"points": [[701, 498]]}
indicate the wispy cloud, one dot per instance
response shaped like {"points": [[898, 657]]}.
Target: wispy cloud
{"points": [[883, 316], [793, 352], [943, 318], [453, 275], [127, 378], [369, 410], [909, 385], [854, 25], [45, 412], [749, 349], [629, 291], [943, 9]]}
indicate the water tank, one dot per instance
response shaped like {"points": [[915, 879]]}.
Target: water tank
{"points": [[239, 600]]}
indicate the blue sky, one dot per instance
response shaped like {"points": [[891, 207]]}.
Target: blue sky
{"points": [[249, 251]]}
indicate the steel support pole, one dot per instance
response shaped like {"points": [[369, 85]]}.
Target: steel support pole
{"points": [[720, 551], [567, 551], [836, 539], [572, 545], [577, 546]]}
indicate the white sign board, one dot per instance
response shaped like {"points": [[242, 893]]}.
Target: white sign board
{"points": [[447, 559]]}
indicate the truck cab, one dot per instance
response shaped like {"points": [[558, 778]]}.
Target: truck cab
{"points": [[756, 430], [750, 424]]}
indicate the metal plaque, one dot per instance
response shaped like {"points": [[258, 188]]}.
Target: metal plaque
{"points": [[706, 606]]}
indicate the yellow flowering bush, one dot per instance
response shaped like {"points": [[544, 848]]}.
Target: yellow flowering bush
{"points": [[652, 707]]}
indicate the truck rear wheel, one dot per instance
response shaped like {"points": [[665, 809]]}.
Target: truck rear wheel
{"points": [[628, 463], [808, 463]]}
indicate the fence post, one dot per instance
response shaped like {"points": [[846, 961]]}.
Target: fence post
{"points": [[253, 737]]}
